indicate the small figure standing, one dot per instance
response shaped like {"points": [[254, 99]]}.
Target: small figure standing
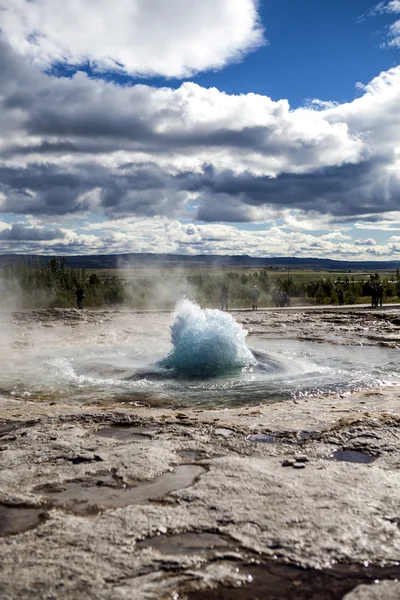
{"points": [[286, 299], [380, 295], [374, 297], [340, 297], [255, 297], [224, 297], [80, 294]]}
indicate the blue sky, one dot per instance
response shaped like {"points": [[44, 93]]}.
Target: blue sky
{"points": [[228, 126], [316, 49]]}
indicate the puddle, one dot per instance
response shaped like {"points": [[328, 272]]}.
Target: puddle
{"points": [[108, 491], [264, 438], [190, 454], [187, 543], [269, 438], [17, 519], [126, 433], [276, 581], [8, 426], [353, 456]]}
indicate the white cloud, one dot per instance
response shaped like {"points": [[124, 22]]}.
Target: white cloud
{"points": [[336, 235], [161, 235], [310, 221], [391, 7], [367, 242], [173, 38], [394, 34]]}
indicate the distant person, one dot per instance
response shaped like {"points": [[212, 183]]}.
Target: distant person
{"points": [[374, 297], [340, 297], [255, 297], [224, 297], [286, 300], [80, 295], [379, 299]]}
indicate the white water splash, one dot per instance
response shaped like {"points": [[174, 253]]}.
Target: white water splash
{"points": [[206, 342]]}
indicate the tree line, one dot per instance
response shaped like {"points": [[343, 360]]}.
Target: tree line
{"points": [[38, 283], [51, 283]]}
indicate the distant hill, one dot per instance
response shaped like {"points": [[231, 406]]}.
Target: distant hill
{"points": [[138, 261]]}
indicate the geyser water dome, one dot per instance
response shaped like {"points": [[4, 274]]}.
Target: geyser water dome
{"points": [[206, 343]]}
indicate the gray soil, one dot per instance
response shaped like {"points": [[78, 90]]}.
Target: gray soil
{"points": [[289, 500]]}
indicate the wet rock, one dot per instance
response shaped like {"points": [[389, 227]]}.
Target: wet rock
{"points": [[302, 458], [94, 544], [381, 590], [126, 432], [103, 492], [263, 438], [288, 462], [188, 543], [289, 582], [223, 431]]}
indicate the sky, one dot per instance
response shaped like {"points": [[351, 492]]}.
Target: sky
{"points": [[267, 128]]}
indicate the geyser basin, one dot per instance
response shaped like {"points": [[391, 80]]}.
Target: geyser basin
{"points": [[130, 357]]}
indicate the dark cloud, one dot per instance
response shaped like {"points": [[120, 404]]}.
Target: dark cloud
{"points": [[343, 191], [69, 122], [40, 189], [22, 233], [43, 189]]}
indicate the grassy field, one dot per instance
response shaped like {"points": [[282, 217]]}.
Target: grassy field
{"points": [[55, 284], [274, 274]]}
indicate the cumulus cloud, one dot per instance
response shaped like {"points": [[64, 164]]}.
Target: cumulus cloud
{"points": [[23, 233], [74, 147], [163, 235], [367, 242], [172, 39], [148, 150]]}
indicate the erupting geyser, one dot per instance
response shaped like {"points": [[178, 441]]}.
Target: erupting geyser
{"points": [[206, 343]]}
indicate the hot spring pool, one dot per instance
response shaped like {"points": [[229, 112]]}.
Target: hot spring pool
{"points": [[203, 359]]}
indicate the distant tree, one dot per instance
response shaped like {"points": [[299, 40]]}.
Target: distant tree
{"points": [[94, 280]]}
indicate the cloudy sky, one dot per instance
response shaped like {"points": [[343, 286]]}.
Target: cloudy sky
{"points": [[267, 128]]}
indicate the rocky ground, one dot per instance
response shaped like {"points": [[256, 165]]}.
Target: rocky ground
{"points": [[292, 500]]}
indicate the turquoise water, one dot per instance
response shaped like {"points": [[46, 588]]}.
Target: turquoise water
{"points": [[205, 343], [204, 358]]}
